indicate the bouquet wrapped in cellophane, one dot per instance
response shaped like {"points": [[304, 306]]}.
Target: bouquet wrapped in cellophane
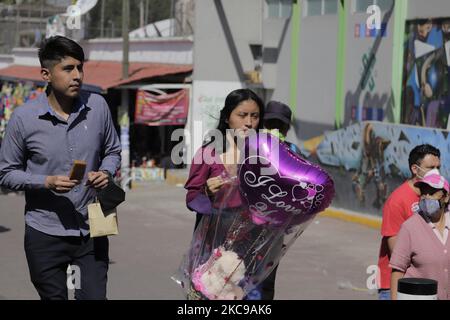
{"points": [[256, 216]]}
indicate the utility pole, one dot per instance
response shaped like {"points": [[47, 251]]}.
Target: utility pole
{"points": [[146, 11], [125, 37], [102, 20], [142, 13], [172, 16], [18, 21], [124, 120], [113, 28]]}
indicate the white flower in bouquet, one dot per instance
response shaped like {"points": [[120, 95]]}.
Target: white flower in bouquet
{"points": [[220, 277]]}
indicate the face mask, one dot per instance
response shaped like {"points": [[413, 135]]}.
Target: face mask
{"points": [[423, 172], [420, 175], [276, 133], [430, 207]]}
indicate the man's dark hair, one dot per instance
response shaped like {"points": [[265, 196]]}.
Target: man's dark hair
{"points": [[419, 152], [277, 124], [56, 48]]}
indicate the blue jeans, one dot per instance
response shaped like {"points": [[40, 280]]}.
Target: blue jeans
{"points": [[384, 294]]}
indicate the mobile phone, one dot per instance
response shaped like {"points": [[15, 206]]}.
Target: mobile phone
{"points": [[77, 171]]}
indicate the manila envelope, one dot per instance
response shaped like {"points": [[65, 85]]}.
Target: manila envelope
{"points": [[102, 223]]}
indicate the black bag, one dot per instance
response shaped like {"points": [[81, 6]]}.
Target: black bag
{"points": [[111, 196]]}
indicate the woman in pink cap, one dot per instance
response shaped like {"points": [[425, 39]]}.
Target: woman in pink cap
{"points": [[422, 249]]}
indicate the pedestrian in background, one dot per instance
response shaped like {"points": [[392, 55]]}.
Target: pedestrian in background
{"points": [[402, 204], [422, 249], [277, 120]]}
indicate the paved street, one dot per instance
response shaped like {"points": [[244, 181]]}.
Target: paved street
{"points": [[328, 261]]}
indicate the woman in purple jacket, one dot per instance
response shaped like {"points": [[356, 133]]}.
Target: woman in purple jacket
{"points": [[216, 161]]}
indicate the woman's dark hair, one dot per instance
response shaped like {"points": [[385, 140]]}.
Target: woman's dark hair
{"points": [[426, 189], [54, 49], [233, 99]]}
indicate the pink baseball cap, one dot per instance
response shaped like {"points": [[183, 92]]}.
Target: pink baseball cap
{"points": [[434, 179]]}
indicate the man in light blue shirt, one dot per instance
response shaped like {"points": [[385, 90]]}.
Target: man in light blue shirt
{"points": [[43, 139]]}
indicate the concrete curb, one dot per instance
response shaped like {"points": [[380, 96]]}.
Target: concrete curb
{"points": [[354, 217]]}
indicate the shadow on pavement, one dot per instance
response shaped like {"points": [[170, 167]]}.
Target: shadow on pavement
{"points": [[4, 229]]}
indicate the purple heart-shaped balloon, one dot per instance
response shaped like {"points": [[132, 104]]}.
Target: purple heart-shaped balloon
{"points": [[281, 188]]}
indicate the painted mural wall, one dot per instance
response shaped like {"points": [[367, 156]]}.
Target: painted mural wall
{"points": [[368, 160], [426, 94], [368, 68], [12, 95]]}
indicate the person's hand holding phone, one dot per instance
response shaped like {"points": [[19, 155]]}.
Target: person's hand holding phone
{"points": [[63, 184]]}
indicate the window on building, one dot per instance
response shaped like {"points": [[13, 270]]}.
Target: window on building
{"points": [[286, 8], [321, 7], [272, 8], [362, 5], [384, 5], [330, 6], [279, 8], [314, 7]]}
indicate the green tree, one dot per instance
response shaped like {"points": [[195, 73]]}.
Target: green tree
{"points": [[155, 10]]}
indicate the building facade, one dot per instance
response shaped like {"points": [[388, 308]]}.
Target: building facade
{"points": [[367, 80]]}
